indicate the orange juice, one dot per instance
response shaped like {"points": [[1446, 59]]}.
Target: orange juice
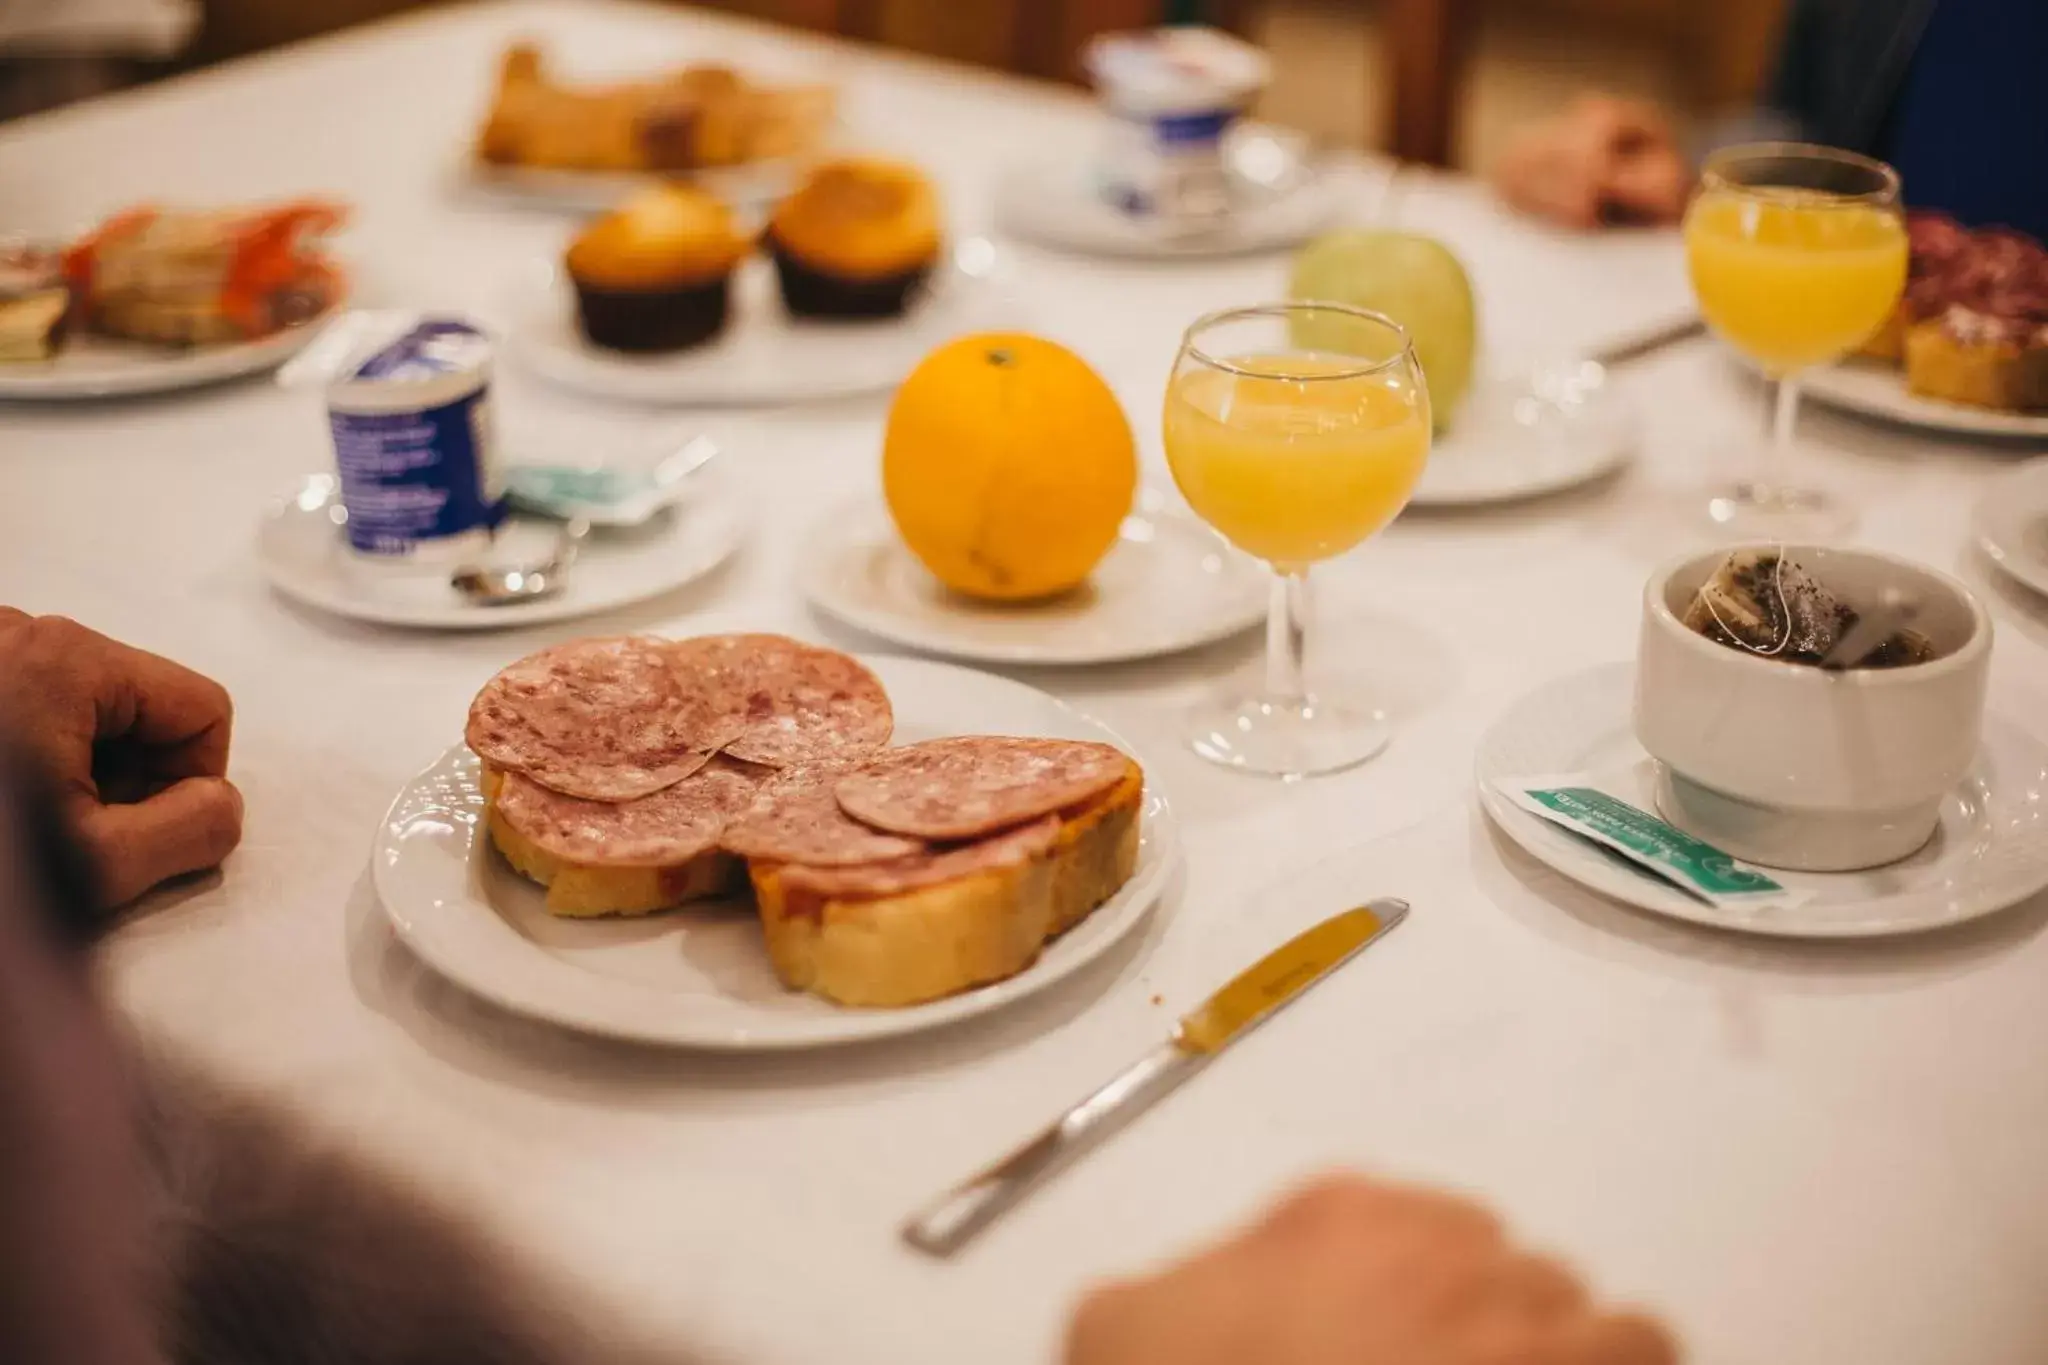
{"points": [[1794, 279], [1295, 469]]}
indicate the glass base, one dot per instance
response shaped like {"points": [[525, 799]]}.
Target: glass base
{"points": [[1768, 512], [1277, 739]]}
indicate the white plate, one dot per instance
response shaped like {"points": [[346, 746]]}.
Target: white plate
{"points": [[100, 367], [755, 184], [1990, 852], [2011, 523], [1283, 202], [302, 554], [764, 355], [700, 977], [1875, 389], [1169, 584], [1525, 436]]}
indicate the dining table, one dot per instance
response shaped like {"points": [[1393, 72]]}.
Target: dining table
{"points": [[1801, 1153]]}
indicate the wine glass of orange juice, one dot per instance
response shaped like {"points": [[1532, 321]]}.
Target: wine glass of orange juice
{"points": [[1296, 430], [1798, 257]]}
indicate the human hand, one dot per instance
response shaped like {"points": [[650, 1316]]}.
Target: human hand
{"points": [[137, 747], [1353, 1272], [1602, 160]]}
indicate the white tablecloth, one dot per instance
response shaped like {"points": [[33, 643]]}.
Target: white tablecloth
{"points": [[1804, 1155]]}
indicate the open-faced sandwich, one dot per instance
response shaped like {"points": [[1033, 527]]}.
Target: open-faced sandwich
{"points": [[630, 775], [1973, 326], [693, 118]]}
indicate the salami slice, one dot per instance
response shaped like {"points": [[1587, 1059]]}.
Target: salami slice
{"points": [[796, 819], [869, 881], [602, 719], [670, 826], [782, 703], [973, 785]]}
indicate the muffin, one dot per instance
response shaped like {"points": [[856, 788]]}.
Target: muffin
{"points": [[656, 273], [856, 240]]}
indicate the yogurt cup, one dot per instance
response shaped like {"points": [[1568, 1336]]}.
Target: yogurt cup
{"points": [[415, 444], [1172, 94]]}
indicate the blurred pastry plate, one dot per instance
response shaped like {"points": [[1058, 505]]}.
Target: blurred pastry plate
{"points": [[581, 146], [153, 299], [1169, 585], [302, 552]]}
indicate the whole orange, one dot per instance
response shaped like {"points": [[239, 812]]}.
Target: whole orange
{"points": [[1008, 466]]}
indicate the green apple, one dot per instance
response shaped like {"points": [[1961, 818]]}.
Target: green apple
{"points": [[1414, 280]]}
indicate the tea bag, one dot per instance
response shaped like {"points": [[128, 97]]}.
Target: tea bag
{"points": [[1760, 601]]}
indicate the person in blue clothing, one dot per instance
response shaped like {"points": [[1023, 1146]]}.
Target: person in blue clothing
{"points": [[1952, 93]]}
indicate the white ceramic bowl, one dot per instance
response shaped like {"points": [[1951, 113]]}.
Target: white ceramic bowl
{"points": [[1790, 766]]}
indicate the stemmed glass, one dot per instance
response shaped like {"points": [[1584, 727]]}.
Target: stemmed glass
{"points": [[1296, 430], [1798, 256]]}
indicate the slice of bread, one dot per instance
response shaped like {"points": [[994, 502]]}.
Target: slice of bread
{"points": [[934, 941], [1981, 366], [584, 891]]}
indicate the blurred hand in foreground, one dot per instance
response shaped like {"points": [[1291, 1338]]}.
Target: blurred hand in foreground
{"points": [[1601, 161], [135, 745], [1352, 1272]]}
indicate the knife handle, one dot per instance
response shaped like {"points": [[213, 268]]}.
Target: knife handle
{"points": [[953, 1219]]}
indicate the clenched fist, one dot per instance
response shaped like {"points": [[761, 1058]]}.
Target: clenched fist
{"points": [[136, 745], [1351, 1272]]}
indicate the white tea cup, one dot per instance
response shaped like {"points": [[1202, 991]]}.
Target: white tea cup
{"points": [[1793, 766]]}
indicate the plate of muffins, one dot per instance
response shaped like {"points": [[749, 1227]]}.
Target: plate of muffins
{"points": [[675, 297]]}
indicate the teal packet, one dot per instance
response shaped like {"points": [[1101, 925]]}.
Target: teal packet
{"points": [[1661, 849]]}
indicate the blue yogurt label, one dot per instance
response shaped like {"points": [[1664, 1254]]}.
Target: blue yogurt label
{"points": [[412, 476], [414, 444]]}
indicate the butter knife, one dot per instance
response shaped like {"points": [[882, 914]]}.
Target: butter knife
{"points": [[1276, 979]]}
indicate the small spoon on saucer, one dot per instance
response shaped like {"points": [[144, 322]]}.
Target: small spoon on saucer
{"points": [[491, 585]]}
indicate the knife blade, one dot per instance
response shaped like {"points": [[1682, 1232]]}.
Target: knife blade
{"points": [[1250, 998]]}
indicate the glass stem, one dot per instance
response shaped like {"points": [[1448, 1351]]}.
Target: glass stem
{"points": [[1772, 483], [1287, 638]]}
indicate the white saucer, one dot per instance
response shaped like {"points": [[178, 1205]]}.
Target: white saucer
{"points": [[100, 367], [1170, 584], [1990, 852], [1528, 435], [700, 977], [1282, 203], [301, 552], [2010, 522], [1875, 389], [763, 355]]}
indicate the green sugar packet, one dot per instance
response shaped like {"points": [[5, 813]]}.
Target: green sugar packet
{"points": [[1660, 849]]}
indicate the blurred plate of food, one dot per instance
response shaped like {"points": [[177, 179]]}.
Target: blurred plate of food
{"points": [[585, 147], [157, 299], [301, 550], [678, 298], [1168, 584], [1967, 351]]}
